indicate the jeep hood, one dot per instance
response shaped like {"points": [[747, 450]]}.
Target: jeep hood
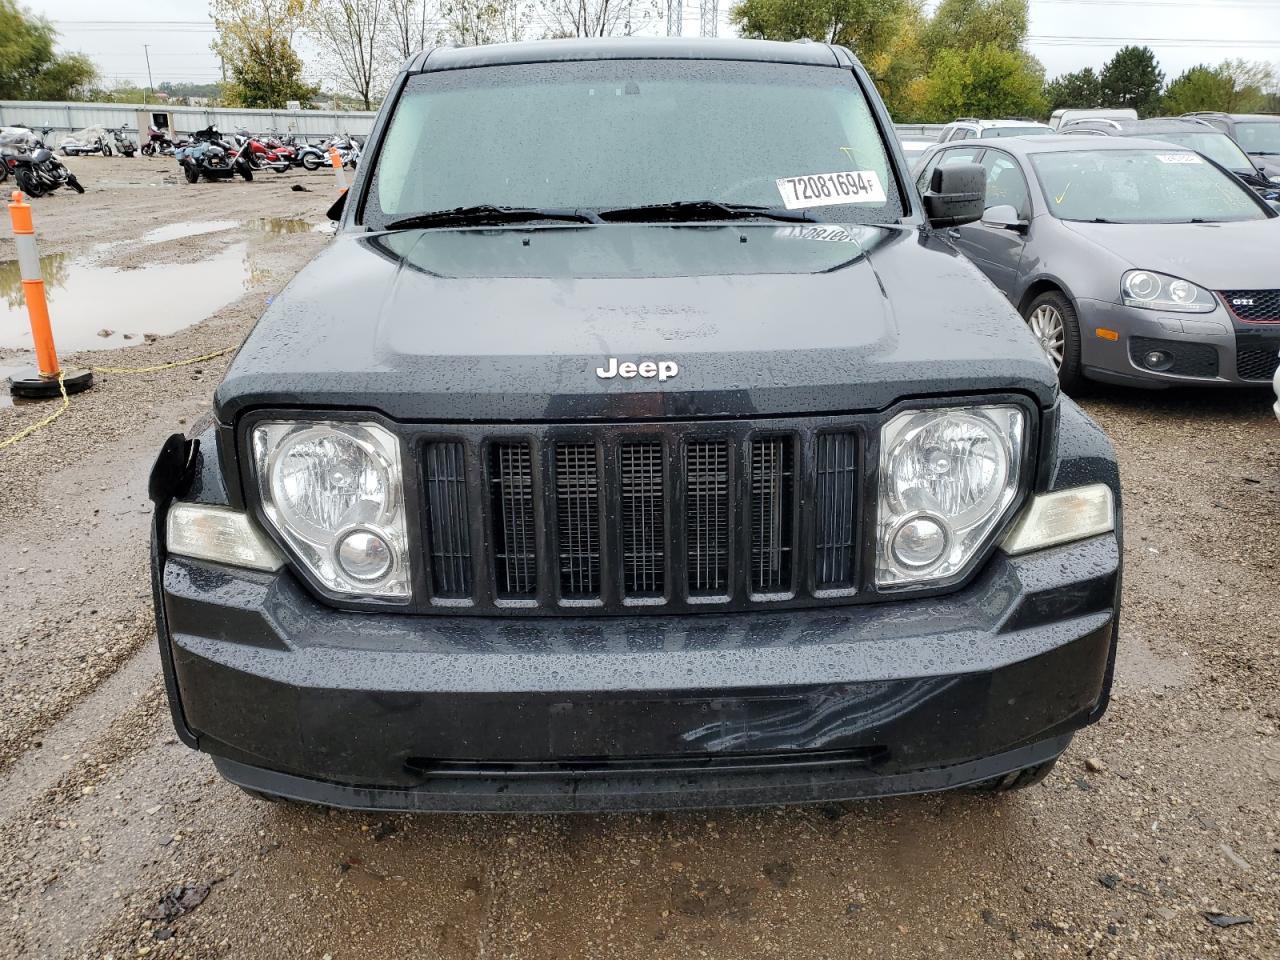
{"points": [[511, 324], [1219, 256]]}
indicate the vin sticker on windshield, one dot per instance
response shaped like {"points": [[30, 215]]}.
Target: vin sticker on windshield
{"points": [[1178, 158], [830, 189]]}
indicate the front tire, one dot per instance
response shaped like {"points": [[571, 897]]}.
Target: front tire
{"points": [[191, 172], [74, 184], [106, 150], [1053, 321], [311, 163]]}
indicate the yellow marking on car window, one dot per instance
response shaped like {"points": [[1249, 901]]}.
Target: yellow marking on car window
{"points": [[1063, 195]]}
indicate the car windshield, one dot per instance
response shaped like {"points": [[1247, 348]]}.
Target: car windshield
{"points": [[610, 134], [1259, 136], [1141, 186], [990, 132], [1218, 147]]}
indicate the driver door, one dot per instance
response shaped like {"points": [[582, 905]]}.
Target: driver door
{"points": [[998, 251]]}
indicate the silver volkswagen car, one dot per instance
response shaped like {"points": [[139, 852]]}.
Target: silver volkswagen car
{"points": [[1133, 261]]}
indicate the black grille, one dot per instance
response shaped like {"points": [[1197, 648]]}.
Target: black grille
{"points": [[1253, 306], [514, 528], [1257, 363], [835, 508], [707, 519], [772, 502], [578, 519], [449, 536], [1183, 359], [643, 525]]}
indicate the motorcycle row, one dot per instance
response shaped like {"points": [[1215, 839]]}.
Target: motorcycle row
{"points": [[206, 154]]}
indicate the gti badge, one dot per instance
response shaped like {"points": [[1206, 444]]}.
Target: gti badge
{"points": [[1241, 302], [662, 369]]}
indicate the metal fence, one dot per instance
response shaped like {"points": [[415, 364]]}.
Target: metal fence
{"points": [[66, 117]]}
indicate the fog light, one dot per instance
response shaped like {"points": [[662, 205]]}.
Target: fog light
{"points": [[919, 542], [363, 555], [1157, 360]]}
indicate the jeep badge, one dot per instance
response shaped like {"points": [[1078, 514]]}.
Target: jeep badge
{"points": [[662, 369]]}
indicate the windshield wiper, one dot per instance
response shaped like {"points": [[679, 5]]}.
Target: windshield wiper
{"points": [[686, 210], [484, 214]]}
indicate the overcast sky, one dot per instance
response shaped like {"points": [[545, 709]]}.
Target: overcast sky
{"points": [[1065, 34]]}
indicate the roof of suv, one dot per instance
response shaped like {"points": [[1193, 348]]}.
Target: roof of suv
{"points": [[1237, 116], [1136, 128], [1065, 143], [630, 48], [1005, 122]]}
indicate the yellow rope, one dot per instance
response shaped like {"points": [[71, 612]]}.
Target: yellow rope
{"points": [[66, 401], [23, 434]]}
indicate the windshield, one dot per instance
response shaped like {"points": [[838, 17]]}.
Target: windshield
{"points": [[1141, 186], [990, 132], [1259, 136], [1218, 147], [609, 134]]}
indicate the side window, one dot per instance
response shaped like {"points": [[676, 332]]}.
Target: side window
{"points": [[964, 133], [1006, 184], [944, 158]]}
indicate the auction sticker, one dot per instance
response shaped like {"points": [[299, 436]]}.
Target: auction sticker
{"points": [[1178, 158], [830, 189]]}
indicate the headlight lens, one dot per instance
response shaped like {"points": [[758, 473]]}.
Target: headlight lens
{"points": [[947, 476], [1156, 291], [334, 492]]}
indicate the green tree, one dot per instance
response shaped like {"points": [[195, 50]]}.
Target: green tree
{"points": [[984, 81], [1200, 88], [867, 27], [255, 42], [1133, 78], [1079, 90], [1251, 85], [964, 24], [30, 69]]}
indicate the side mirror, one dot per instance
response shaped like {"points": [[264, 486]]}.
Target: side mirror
{"points": [[335, 211], [957, 195], [1004, 217]]}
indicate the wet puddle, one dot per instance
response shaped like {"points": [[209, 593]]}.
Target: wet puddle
{"points": [[95, 306], [6, 398]]}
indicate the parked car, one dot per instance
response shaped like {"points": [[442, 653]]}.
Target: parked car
{"points": [[1067, 115], [1133, 261], [1195, 134], [608, 459], [970, 128], [913, 150], [1257, 133]]}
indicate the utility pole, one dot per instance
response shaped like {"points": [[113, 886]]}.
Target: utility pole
{"points": [[146, 52], [675, 18], [710, 18]]}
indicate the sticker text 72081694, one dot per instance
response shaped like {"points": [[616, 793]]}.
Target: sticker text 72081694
{"points": [[830, 189]]}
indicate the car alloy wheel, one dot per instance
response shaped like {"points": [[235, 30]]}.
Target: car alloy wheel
{"points": [[1046, 323]]}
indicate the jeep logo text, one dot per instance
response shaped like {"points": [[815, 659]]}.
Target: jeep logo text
{"points": [[662, 369]]}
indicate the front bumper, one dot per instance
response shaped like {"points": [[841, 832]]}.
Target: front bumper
{"points": [[386, 711], [1212, 349]]}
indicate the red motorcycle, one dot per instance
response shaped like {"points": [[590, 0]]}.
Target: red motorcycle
{"points": [[261, 156], [283, 150]]}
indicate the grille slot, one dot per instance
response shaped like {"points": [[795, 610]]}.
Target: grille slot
{"points": [[1253, 306], [514, 529], [577, 486], [835, 505], [707, 516], [772, 503], [1257, 363], [445, 473], [643, 503]]}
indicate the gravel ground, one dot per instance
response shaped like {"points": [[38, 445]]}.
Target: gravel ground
{"points": [[116, 841]]}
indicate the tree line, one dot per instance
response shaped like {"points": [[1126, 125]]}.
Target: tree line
{"points": [[966, 58]]}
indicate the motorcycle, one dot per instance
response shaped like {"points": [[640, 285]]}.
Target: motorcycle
{"points": [[35, 169], [157, 142], [84, 143], [260, 156], [312, 157], [211, 157], [125, 145]]}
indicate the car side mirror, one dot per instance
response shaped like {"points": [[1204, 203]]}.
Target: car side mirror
{"points": [[957, 195], [335, 210], [1004, 217]]}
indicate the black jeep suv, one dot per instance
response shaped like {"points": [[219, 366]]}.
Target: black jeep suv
{"points": [[640, 441]]}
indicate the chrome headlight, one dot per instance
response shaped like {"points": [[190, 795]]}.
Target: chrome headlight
{"points": [[333, 490], [1156, 291], [947, 477]]}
